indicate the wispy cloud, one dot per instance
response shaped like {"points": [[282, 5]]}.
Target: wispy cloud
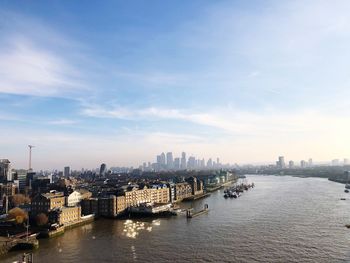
{"points": [[62, 122], [33, 59], [234, 122]]}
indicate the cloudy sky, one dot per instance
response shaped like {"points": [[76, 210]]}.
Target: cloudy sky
{"points": [[118, 82]]}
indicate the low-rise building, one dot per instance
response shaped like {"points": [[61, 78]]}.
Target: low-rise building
{"points": [[107, 206], [73, 199], [89, 206], [43, 203], [9, 189], [121, 204], [65, 215], [110, 206], [182, 191], [85, 194], [196, 185]]}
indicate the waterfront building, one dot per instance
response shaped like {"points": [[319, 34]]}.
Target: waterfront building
{"points": [[182, 191], [171, 187], [107, 206], [110, 206], [346, 161], [64, 215], [73, 199], [159, 193], [197, 185], [43, 203], [89, 206], [135, 195], [121, 204], [85, 194]]}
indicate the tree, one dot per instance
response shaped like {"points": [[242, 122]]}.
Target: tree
{"points": [[20, 199], [41, 219], [17, 214]]}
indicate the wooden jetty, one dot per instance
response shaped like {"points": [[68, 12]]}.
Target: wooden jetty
{"points": [[190, 213]]}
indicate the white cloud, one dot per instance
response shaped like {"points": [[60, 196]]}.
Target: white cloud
{"points": [[34, 59], [26, 69], [62, 122], [236, 122]]}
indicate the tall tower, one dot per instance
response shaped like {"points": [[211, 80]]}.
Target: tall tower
{"points": [[183, 160], [30, 156], [169, 160]]}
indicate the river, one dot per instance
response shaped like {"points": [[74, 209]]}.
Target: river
{"points": [[283, 219]]}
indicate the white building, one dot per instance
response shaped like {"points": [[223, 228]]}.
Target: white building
{"points": [[73, 199]]}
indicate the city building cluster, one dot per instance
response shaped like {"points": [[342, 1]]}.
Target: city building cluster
{"points": [[65, 198], [169, 162], [281, 163]]}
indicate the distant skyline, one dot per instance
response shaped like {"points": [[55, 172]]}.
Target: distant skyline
{"points": [[118, 82]]}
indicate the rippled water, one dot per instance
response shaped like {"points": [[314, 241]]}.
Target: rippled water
{"points": [[283, 219]]}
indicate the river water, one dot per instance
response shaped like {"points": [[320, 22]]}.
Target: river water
{"points": [[283, 219]]}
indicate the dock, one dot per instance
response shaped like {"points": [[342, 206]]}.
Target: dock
{"points": [[196, 197], [191, 214]]}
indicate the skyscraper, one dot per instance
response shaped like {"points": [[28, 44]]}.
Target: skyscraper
{"points": [[335, 162], [162, 159], [5, 170], [281, 162], [310, 162], [291, 164], [177, 163], [191, 162], [66, 172], [210, 163], [103, 170], [159, 160], [169, 160], [183, 160]]}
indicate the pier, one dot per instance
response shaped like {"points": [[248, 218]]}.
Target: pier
{"points": [[191, 214]]}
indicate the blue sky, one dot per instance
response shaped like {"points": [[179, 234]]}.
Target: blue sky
{"points": [[119, 81]]}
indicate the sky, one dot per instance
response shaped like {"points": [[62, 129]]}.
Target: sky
{"points": [[119, 82]]}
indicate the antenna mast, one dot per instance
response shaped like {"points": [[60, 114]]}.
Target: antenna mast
{"points": [[30, 156]]}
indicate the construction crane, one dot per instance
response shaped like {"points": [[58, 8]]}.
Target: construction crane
{"points": [[30, 156]]}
